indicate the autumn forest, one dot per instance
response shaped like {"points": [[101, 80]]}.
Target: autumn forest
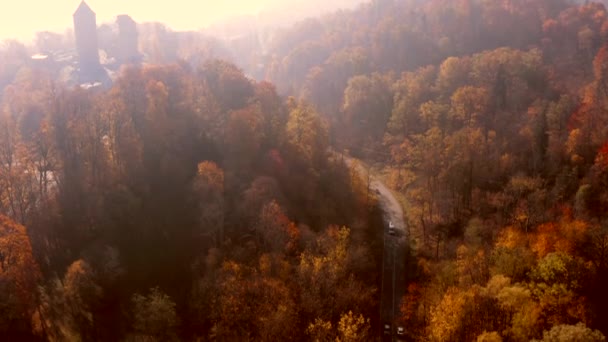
{"points": [[221, 189]]}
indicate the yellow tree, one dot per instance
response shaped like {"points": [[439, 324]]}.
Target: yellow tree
{"points": [[306, 132], [252, 306], [411, 91], [447, 317], [328, 288], [19, 277], [320, 331], [353, 328]]}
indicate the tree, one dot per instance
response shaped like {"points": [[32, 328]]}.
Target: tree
{"points": [[252, 305], [276, 232], [297, 63], [227, 83], [82, 295], [69, 305], [328, 287], [154, 317], [260, 192], [325, 84], [469, 107], [412, 309], [558, 280], [274, 115], [426, 156], [573, 333], [453, 72], [18, 184], [243, 139], [306, 133], [320, 331], [19, 279], [411, 91], [209, 189], [522, 311], [446, 318], [123, 141], [352, 328], [465, 150], [590, 118], [489, 337], [368, 102]]}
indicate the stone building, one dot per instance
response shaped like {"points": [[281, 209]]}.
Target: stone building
{"points": [[127, 44], [85, 32]]}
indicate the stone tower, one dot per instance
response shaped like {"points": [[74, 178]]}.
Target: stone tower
{"points": [[127, 51], [85, 31]]}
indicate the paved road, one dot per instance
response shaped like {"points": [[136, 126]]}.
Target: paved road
{"points": [[393, 261], [393, 277]]}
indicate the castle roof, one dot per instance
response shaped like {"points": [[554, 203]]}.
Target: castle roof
{"points": [[83, 9]]}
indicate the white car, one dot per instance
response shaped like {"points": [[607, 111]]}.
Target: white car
{"points": [[400, 331], [391, 228]]}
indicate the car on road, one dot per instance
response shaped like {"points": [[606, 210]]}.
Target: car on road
{"points": [[391, 228], [400, 331], [387, 329]]}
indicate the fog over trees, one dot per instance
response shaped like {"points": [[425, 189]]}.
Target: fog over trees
{"points": [[218, 185]]}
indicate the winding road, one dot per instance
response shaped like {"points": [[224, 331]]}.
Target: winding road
{"points": [[394, 254]]}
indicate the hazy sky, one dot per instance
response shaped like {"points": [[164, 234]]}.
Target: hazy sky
{"points": [[20, 19]]}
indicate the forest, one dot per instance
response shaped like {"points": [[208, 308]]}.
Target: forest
{"points": [[206, 195]]}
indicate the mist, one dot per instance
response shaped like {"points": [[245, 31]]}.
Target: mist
{"points": [[386, 170], [22, 19]]}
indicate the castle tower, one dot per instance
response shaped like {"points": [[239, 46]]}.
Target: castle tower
{"points": [[127, 51], [85, 31]]}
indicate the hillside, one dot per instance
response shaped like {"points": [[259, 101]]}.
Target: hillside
{"points": [[490, 119], [202, 199]]}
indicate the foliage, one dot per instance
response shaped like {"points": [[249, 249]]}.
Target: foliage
{"points": [[578, 332], [232, 195], [154, 316]]}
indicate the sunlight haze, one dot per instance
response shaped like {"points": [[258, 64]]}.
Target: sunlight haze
{"points": [[22, 19], [304, 170]]}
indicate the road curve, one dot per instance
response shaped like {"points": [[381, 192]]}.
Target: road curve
{"points": [[394, 255], [389, 204]]}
